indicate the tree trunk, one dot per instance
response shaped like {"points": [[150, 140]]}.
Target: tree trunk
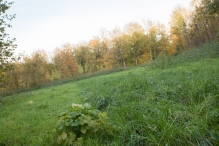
{"points": [[151, 54], [208, 39], [124, 63], [83, 69], [136, 60]]}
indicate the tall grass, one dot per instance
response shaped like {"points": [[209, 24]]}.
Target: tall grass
{"points": [[176, 106]]}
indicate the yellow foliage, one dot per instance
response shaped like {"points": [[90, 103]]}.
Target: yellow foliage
{"points": [[144, 58]]}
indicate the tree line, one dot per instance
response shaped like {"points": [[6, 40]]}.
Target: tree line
{"points": [[131, 45]]}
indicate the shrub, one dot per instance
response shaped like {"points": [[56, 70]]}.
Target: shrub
{"points": [[79, 122]]}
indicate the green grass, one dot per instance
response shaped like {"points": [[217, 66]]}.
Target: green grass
{"points": [[24, 124], [162, 107], [166, 103]]}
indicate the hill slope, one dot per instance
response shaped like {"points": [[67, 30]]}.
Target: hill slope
{"points": [[163, 103]]}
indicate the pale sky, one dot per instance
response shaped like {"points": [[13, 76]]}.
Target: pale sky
{"points": [[47, 24]]}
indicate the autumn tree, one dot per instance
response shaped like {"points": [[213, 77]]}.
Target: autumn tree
{"points": [[214, 10], [97, 50], [120, 46], [65, 62], [35, 68], [163, 40], [108, 53], [178, 29], [152, 40], [81, 53], [109, 59], [52, 72], [13, 80], [6, 44], [202, 23], [157, 41], [137, 40]]}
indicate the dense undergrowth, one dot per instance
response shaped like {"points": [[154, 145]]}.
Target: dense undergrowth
{"points": [[171, 101]]}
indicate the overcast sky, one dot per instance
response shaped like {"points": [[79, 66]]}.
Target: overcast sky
{"points": [[47, 24]]}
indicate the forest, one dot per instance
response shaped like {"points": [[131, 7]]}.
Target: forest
{"points": [[132, 45]]}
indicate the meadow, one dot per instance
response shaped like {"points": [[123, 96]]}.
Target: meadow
{"points": [[170, 101]]}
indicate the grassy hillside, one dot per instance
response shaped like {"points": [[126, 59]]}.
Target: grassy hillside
{"points": [[173, 101]]}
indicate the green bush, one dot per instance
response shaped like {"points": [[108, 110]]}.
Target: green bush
{"points": [[80, 122]]}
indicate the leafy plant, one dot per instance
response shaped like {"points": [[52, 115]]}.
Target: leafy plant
{"points": [[79, 122]]}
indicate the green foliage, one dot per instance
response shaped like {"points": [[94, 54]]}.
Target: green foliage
{"points": [[104, 102], [6, 44], [80, 122], [213, 6]]}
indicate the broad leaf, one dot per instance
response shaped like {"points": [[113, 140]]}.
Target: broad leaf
{"points": [[64, 135]]}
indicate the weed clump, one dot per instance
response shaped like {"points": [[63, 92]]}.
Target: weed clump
{"points": [[81, 122]]}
